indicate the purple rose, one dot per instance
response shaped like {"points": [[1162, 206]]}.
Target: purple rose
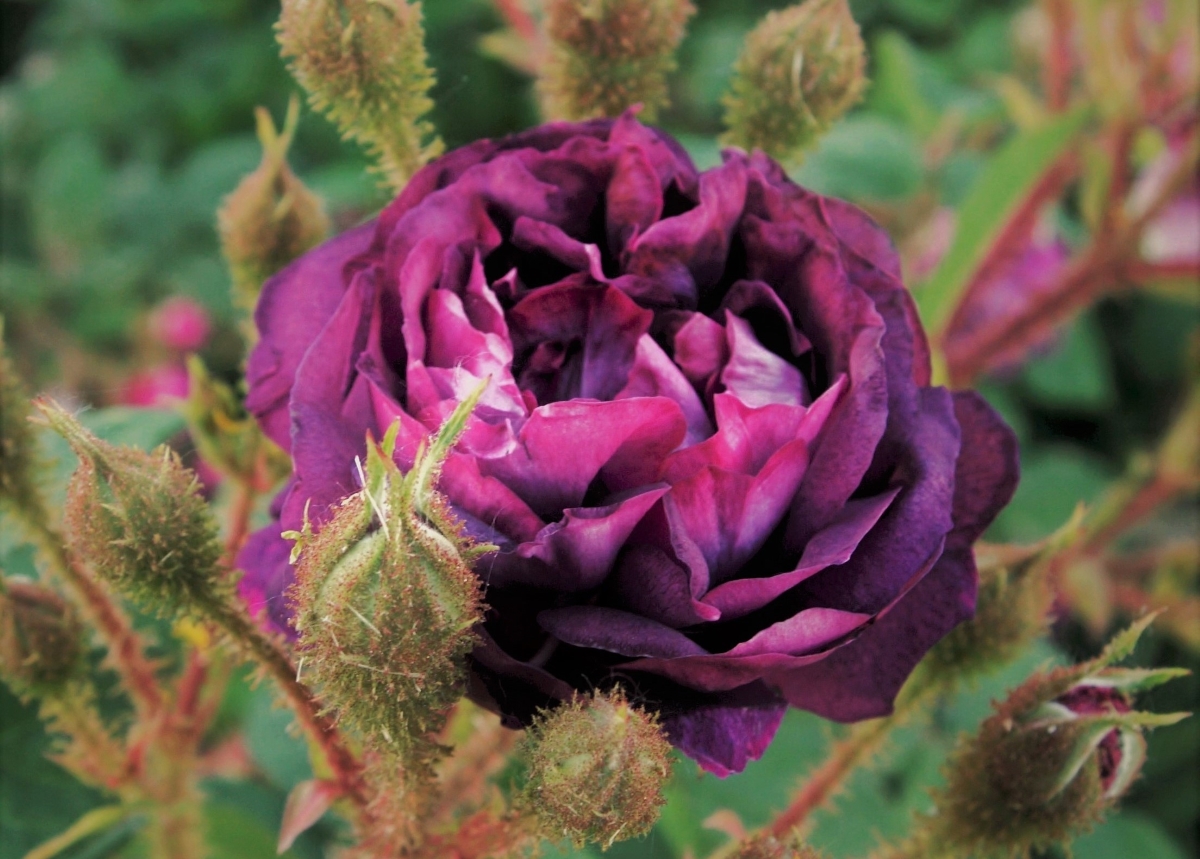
{"points": [[709, 451]]}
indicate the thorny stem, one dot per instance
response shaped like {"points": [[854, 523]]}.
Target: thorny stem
{"points": [[346, 769], [1093, 272], [863, 742], [465, 773], [102, 758], [1057, 67], [125, 646]]}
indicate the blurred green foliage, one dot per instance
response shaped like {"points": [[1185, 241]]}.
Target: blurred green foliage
{"points": [[124, 122]]}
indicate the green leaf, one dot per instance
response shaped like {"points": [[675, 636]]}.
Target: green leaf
{"points": [[1125, 836], [1005, 183], [1076, 375], [864, 158], [1054, 479]]}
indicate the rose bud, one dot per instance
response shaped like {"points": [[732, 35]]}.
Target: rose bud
{"points": [[608, 55], [18, 443], [709, 454], [363, 64], [801, 69], [1050, 762], [139, 521], [597, 768], [41, 641], [271, 217], [391, 558], [181, 324]]}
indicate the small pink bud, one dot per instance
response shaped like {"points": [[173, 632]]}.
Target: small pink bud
{"points": [[180, 323], [159, 386]]}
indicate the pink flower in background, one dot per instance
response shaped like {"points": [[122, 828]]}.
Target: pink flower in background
{"points": [[180, 323], [159, 386]]}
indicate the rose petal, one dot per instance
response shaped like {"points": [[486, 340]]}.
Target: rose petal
{"points": [[653, 374], [756, 376], [724, 735], [616, 631]]}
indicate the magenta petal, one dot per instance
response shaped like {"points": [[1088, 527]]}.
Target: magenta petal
{"points": [[729, 516], [701, 349], [757, 376], [294, 306], [564, 446], [531, 235], [635, 199], [617, 632], [575, 554], [723, 736], [654, 375], [454, 341], [809, 631], [830, 546]]}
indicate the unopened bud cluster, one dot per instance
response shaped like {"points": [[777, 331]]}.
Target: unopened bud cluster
{"points": [[1050, 761], [139, 521], [387, 601], [801, 68], [607, 55], [41, 640], [597, 768], [363, 64], [271, 217]]}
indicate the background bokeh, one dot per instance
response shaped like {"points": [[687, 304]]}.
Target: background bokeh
{"points": [[123, 123]]}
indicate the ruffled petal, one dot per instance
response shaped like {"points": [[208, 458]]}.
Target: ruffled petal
{"points": [[725, 733], [617, 632], [755, 375]]}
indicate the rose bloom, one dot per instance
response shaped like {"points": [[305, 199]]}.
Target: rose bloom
{"points": [[708, 451]]}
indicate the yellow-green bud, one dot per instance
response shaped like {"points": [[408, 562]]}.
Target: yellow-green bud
{"points": [[271, 217], [18, 442], [607, 55], [801, 68], [41, 641], [1050, 761], [139, 521], [387, 602], [363, 64], [768, 847], [597, 768]]}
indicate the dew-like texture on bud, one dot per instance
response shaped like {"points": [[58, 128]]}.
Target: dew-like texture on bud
{"points": [[597, 768], [386, 603], [41, 641], [364, 65], [139, 521], [18, 443], [608, 55], [271, 217], [800, 69]]}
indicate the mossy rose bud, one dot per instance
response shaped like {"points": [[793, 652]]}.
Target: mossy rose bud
{"points": [[597, 768], [139, 521], [1050, 762], [41, 641], [801, 68], [386, 600]]}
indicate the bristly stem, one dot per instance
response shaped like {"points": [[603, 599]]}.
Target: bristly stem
{"points": [[345, 767], [125, 647]]}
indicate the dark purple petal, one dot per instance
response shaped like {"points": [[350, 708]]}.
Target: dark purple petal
{"points": [[294, 306], [267, 574], [726, 734], [987, 471], [757, 376], [617, 632], [649, 582]]}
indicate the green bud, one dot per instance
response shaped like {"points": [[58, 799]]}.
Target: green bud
{"points": [[41, 641], [768, 847], [801, 68], [18, 442], [226, 436], [387, 601], [271, 217], [138, 520], [1050, 762], [597, 768], [363, 64], [607, 55]]}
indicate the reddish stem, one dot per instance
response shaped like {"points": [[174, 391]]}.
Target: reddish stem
{"points": [[516, 16], [1057, 66]]}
